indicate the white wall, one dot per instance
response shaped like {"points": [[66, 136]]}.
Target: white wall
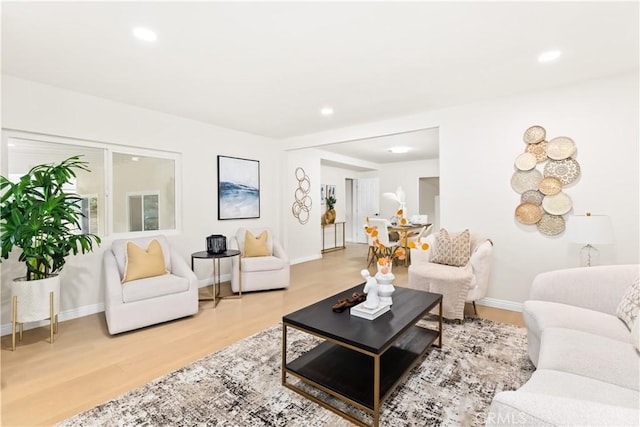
{"points": [[34, 107], [303, 241], [478, 144], [407, 175]]}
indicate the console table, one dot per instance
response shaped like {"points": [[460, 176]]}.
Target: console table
{"points": [[335, 246]]}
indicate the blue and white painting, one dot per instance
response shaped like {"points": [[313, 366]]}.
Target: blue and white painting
{"points": [[238, 188]]}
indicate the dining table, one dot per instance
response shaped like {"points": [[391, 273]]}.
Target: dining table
{"points": [[403, 232]]}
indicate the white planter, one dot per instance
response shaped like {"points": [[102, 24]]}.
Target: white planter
{"points": [[33, 302]]}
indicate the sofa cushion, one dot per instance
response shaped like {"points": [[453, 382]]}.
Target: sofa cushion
{"points": [[589, 355], [256, 246], [630, 304], [566, 384], [539, 315], [153, 287], [142, 263], [264, 263], [635, 333], [452, 250], [517, 408]]}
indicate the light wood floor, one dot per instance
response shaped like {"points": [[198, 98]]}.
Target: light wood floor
{"points": [[44, 383]]}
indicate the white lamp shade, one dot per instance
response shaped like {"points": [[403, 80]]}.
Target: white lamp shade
{"points": [[590, 229]]}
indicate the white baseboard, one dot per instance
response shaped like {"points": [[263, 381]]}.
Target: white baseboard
{"points": [[500, 303], [62, 316], [93, 309]]}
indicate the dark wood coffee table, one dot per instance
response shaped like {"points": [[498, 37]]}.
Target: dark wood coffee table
{"points": [[360, 361]]}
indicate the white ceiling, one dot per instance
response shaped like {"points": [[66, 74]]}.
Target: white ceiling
{"points": [[268, 67]]}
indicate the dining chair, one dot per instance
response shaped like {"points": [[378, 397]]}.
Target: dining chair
{"points": [[389, 245]]}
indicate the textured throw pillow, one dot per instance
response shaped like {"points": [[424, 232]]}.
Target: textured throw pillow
{"points": [[450, 250], [256, 246], [628, 308], [143, 263]]}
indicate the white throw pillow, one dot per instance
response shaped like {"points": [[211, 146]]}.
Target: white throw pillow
{"points": [[628, 308]]}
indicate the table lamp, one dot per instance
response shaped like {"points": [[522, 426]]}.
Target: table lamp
{"points": [[590, 230]]}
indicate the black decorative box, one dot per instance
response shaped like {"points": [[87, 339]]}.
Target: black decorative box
{"points": [[216, 244]]}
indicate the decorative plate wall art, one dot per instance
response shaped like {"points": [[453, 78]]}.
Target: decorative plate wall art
{"points": [[541, 173]]}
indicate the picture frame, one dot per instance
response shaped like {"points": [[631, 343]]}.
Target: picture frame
{"points": [[238, 188], [331, 190], [322, 194]]}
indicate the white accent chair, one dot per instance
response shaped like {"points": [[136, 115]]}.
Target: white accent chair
{"points": [[262, 272], [148, 301], [457, 285]]}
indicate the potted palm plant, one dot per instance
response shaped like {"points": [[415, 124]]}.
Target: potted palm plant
{"points": [[39, 216]]}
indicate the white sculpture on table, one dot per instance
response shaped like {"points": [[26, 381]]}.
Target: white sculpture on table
{"points": [[385, 277], [371, 289]]}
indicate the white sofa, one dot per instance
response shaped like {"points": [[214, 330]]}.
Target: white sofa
{"points": [[587, 367], [148, 301], [261, 272]]}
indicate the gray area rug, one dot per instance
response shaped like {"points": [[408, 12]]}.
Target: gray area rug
{"points": [[240, 385]]}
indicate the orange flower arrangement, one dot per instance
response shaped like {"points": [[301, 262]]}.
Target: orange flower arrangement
{"points": [[400, 252]]}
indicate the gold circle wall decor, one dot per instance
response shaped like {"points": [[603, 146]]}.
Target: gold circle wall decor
{"points": [[302, 204], [543, 200]]}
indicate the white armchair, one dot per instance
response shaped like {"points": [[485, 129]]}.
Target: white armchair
{"points": [[259, 272], [457, 284], [150, 300]]}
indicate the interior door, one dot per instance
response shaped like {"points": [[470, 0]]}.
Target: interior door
{"points": [[367, 203]]}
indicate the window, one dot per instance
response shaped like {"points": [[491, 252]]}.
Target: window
{"points": [[143, 212], [143, 193], [127, 190], [89, 222]]}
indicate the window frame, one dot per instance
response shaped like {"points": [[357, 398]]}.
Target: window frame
{"points": [[108, 150]]}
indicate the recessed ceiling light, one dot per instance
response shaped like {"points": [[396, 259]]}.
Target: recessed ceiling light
{"points": [[549, 56], [135, 159], [326, 111], [145, 34], [399, 150]]}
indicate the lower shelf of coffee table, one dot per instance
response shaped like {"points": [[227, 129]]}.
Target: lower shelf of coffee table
{"points": [[350, 373]]}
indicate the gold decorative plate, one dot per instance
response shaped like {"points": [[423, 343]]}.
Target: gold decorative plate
{"points": [[526, 161], [532, 196], [534, 134], [566, 170], [528, 213], [522, 181], [561, 148], [558, 204], [539, 150], [550, 185], [551, 225]]}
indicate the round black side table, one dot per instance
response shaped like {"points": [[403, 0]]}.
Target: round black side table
{"points": [[216, 273]]}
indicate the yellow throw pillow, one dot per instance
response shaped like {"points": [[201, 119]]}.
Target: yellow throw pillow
{"points": [[144, 263], [256, 246]]}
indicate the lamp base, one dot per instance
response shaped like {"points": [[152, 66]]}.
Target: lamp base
{"points": [[589, 256]]}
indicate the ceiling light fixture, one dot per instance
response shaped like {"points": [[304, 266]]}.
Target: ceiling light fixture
{"points": [[145, 34], [399, 150], [549, 56], [135, 159], [326, 111]]}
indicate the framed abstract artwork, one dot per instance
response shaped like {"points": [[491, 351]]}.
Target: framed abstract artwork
{"points": [[238, 188]]}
